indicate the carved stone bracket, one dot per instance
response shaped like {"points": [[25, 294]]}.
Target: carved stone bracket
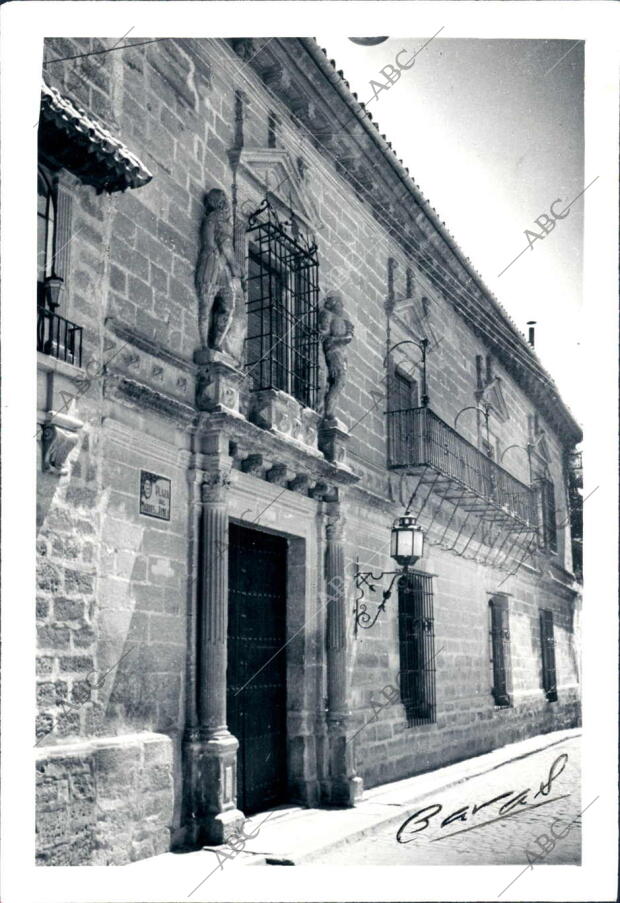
{"points": [[278, 474], [60, 435], [299, 483], [253, 464]]}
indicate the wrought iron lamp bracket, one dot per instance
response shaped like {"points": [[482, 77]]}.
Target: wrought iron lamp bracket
{"points": [[363, 579]]}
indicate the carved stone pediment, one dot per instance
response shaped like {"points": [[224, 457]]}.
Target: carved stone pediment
{"points": [[415, 314], [493, 396], [273, 172]]}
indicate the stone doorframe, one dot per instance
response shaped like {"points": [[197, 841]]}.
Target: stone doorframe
{"points": [[318, 760]]}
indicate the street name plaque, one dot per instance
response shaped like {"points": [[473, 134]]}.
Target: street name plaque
{"points": [[155, 495]]}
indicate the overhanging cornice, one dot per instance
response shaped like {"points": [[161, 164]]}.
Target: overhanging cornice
{"points": [[82, 145]]}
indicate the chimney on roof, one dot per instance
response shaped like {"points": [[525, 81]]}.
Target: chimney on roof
{"points": [[530, 333]]}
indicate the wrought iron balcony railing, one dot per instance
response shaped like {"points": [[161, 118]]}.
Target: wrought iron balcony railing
{"points": [[59, 337], [418, 438]]}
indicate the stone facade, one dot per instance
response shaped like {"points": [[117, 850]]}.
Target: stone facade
{"points": [[132, 610]]}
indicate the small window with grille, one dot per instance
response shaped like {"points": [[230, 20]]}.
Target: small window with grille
{"points": [[282, 303], [417, 658], [547, 643], [500, 649]]}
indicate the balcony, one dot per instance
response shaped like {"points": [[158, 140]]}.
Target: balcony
{"points": [[420, 442], [59, 337]]}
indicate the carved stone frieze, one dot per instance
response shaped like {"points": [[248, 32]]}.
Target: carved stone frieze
{"points": [[144, 396]]}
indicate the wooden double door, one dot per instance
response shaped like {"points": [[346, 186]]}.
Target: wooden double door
{"points": [[256, 675]]}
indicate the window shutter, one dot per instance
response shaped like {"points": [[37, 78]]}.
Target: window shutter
{"points": [[62, 253], [500, 638], [547, 641]]}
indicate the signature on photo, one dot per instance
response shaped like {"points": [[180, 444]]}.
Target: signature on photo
{"points": [[518, 802]]}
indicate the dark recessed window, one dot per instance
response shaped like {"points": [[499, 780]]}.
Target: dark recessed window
{"points": [[402, 400], [500, 649], [56, 336], [282, 302], [417, 657], [547, 515], [547, 643], [46, 231]]}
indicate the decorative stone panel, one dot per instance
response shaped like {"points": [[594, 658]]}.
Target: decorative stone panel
{"points": [[283, 415]]}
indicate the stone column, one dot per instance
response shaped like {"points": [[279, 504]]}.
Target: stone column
{"points": [[345, 787], [211, 749]]}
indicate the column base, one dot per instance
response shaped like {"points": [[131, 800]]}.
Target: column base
{"points": [[346, 791], [222, 826], [211, 813], [345, 787]]}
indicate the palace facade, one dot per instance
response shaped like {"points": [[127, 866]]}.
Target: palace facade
{"points": [[258, 347]]}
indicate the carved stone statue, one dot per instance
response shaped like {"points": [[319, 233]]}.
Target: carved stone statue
{"points": [[221, 311], [336, 332]]}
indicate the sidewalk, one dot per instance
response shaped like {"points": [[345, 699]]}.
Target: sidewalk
{"points": [[291, 835]]}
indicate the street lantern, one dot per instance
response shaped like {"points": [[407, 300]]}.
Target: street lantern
{"points": [[53, 287], [406, 547], [407, 544]]}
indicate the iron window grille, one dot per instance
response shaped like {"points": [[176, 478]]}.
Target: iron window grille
{"points": [[500, 649], [547, 642], [547, 515], [417, 639], [282, 344]]}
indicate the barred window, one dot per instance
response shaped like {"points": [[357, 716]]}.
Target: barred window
{"points": [[547, 643], [500, 649], [547, 515], [282, 340], [416, 636], [403, 398]]}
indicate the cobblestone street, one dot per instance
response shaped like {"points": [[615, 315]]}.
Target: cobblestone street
{"points": [[487, 820]]}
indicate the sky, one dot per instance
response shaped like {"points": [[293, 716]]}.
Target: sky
{"points": [[492, 132]]}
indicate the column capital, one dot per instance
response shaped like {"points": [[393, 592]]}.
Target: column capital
{"points": [[215, 485], [334, 526]]}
